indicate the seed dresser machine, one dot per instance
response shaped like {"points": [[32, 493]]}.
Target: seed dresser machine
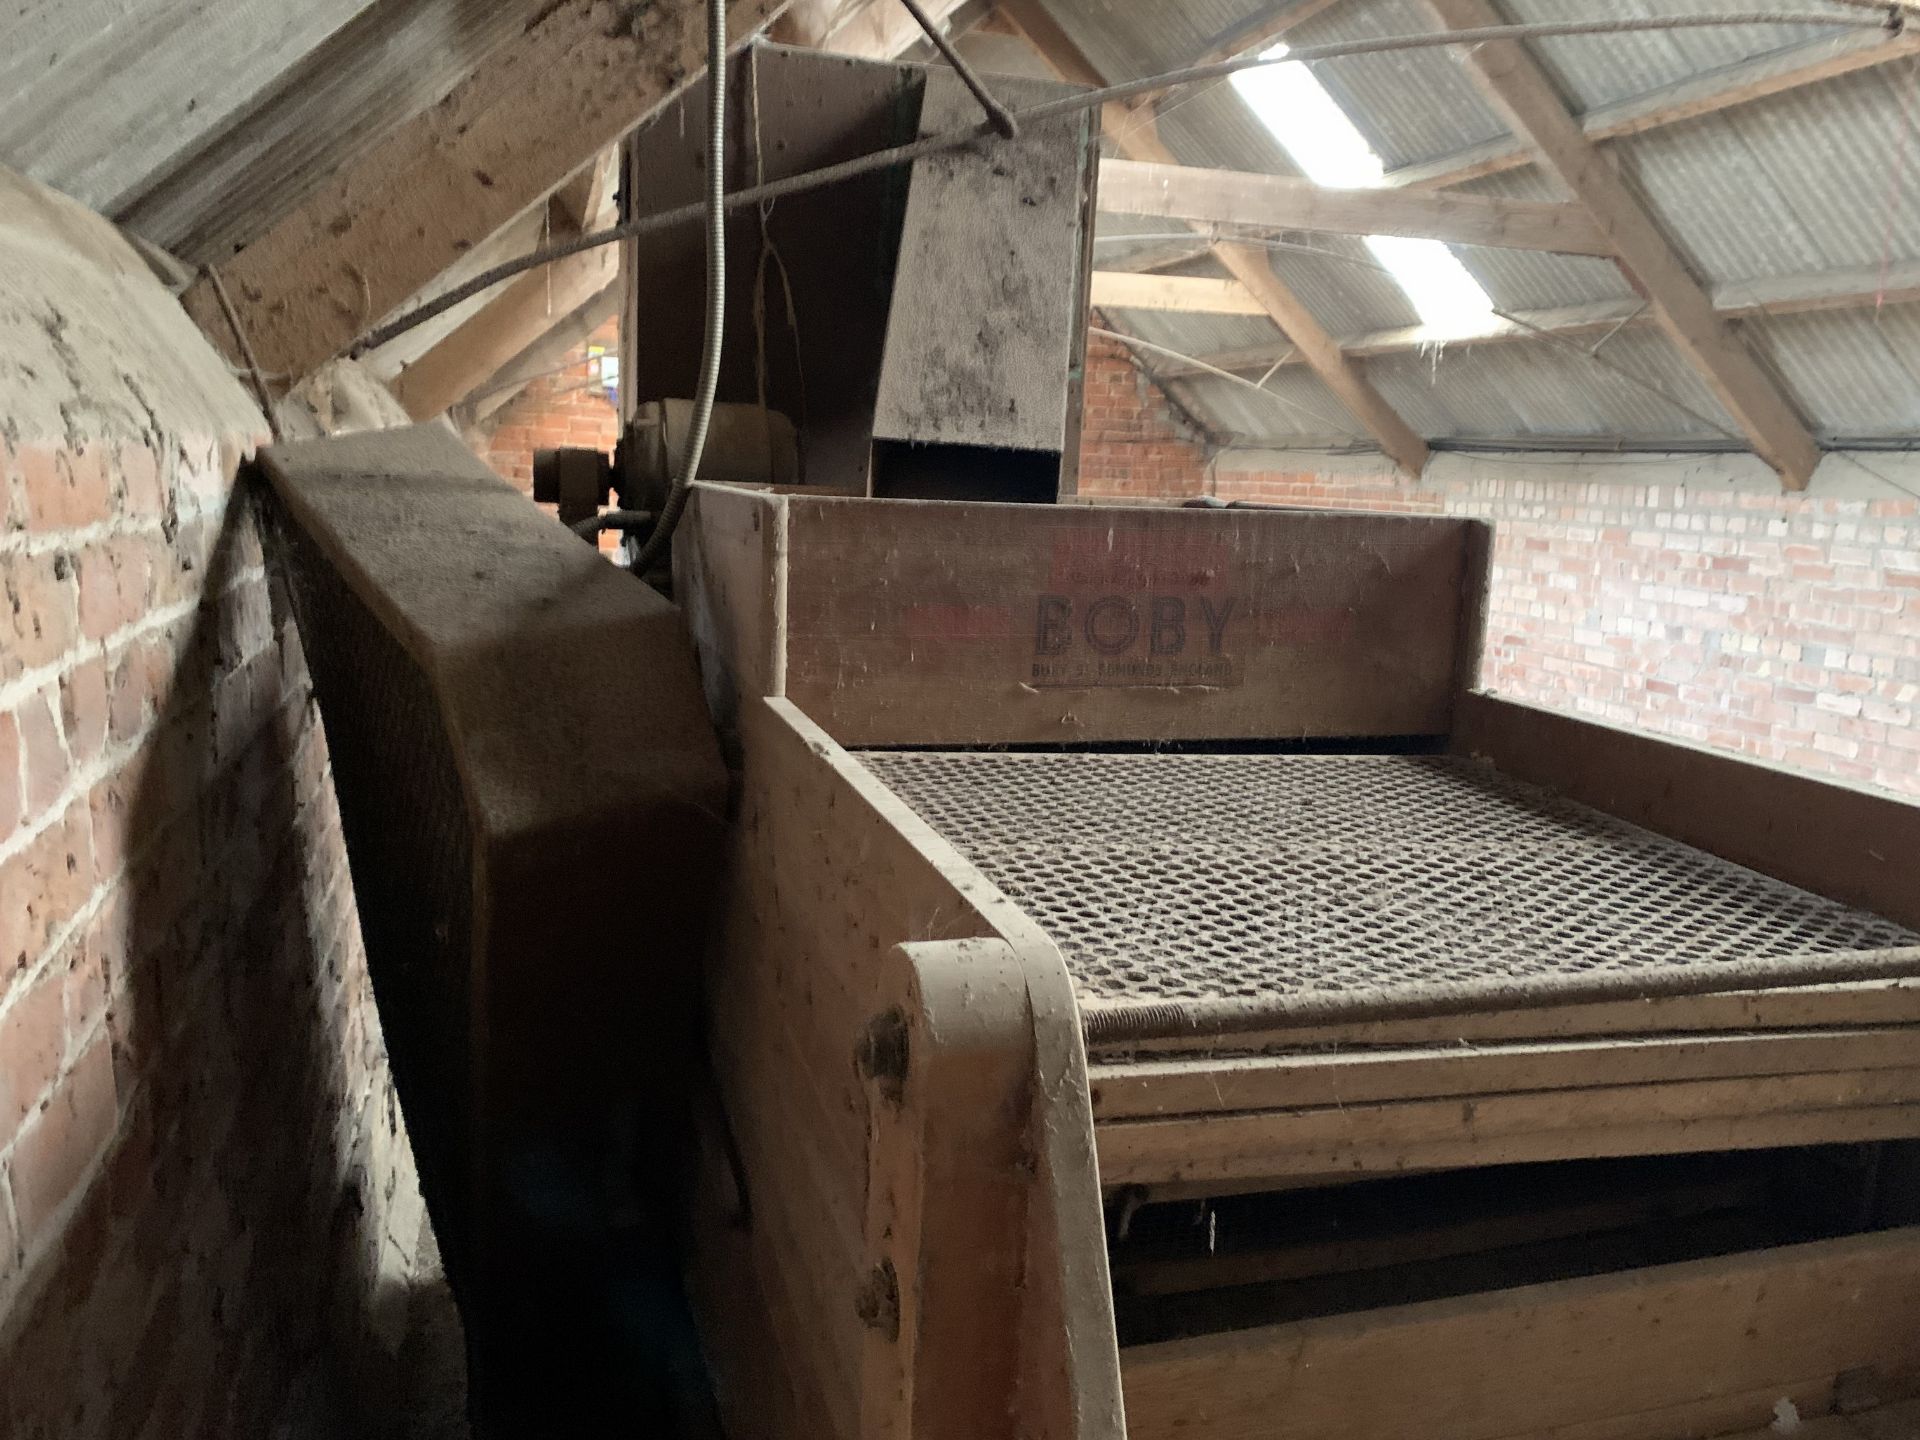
{"points": [[1149, 990]]}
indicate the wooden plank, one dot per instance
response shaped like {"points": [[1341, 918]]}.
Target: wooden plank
{"points": [[1249, 265], [1657, 1119], [1850, 1126], [1520, 90], [1861, 287], [1023, 314], [546, 355], [1198, 1087], [729, 570], [1261, 29], [1589, 1352], [524, 310], [1134, 134], [1289, 202], [1898, 1421], [1851, 844], [910, 622], [1186, 294], [1421, 1240], [529, 116], [946, 1189], [585, 202], [823, 884], [1878, 1002], [834, 880], [995, 1336], [1777, 73]]}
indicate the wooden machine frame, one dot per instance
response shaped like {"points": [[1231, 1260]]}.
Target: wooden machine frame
{"points": [[901, 1216]]}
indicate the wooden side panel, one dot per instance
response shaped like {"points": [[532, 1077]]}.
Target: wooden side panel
{"points": [[846, 907], [824, 885], [728, 572], [1850, 844], [914, 622], [1644, 1355]]}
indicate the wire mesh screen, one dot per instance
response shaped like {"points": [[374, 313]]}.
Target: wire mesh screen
{"points": [[1178, 878], [410, 851]]}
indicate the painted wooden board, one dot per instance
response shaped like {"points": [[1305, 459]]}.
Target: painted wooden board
{"points": [[915, 622], [1630, 1356], [1851, 844]]}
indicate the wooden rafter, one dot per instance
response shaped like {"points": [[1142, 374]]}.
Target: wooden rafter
{"points": [[526, 308], [1288, 202], [1134, 134], [1269, 23], [1516, 85], [530, 115], [1707, 94], [544, 356], [1857, 289], [1180, 294]]}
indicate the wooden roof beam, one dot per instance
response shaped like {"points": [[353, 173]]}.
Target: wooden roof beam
{"points": [[533, 113], [1838, 290], [1266, 26], [1517, 87], [1707, 94], [1137, 138], [1288, 202]]}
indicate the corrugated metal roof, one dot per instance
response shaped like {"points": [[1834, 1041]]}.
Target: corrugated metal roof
{"points": [[1818, 179], [198, 123]]}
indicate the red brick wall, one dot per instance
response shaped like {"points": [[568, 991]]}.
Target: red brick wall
{"points": [[565, 408], [200, 1158], [1786, 628], [1134, 442]]}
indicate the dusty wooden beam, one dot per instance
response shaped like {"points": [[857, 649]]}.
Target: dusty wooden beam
{"points": [[1717, 90], [1864, 287], [530, 305], [1137, 138], [587, 198], [533, 113], [1288, 202], [1336, 370], [1157, 256], [1266, 25], [1517, 87], [1185, 294], [878, 29], [545, 355]]}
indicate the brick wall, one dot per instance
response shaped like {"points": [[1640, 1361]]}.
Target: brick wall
{"points": [[204, 1186], [1134, 442], [1687, 597], [568, 407]]}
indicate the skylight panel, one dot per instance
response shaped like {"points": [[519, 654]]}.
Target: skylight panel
{"points": [[1330, 150]]}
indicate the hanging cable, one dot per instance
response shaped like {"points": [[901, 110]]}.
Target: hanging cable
{"points": [[1076, 104], [709, 383]]}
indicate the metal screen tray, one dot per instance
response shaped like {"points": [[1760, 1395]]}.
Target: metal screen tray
{"points": [[1167, 880]]}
